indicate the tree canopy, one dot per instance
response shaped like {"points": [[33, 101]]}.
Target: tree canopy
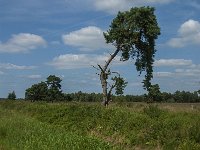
{"points": [[54, 91], [37, 92], [12, 95], [134, 33]]}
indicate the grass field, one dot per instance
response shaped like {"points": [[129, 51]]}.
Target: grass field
{"points": [[29, 126]]}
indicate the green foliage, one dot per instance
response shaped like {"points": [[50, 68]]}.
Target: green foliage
{"points": [[37, 92], [12, 96], [153, 111], [54, 82], [120, 84], [46, 91], [154, 93], [54, 85], [180, 96], [134, 33], [122, 127], [183, 96]]}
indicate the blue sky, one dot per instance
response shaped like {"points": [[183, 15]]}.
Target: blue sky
{"points": [[43, 37]]}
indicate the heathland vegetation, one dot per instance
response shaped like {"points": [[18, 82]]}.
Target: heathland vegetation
{"points": [[41, 125]]}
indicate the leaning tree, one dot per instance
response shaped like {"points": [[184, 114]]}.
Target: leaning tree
{"points": [[133, 33]]}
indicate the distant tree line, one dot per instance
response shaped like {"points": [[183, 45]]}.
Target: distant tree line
{"points": [[155, 95], [50, 91], [181, 97], [177, 97]]}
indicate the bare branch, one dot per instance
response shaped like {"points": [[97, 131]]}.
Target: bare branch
{"points": [[111, 88], [100, 68], [95, 67], [110, 59], [116, 73]]}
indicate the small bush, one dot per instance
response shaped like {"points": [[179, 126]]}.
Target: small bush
{"points": [[153, 111]]}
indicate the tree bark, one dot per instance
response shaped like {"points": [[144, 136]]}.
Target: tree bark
{"points": [[111, 58], [104, 76]]}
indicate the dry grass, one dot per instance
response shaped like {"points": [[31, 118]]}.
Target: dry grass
{"points": [[172, 107], [181, 107]]}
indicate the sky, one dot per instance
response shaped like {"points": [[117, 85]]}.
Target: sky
{"points": [[39, 38]]}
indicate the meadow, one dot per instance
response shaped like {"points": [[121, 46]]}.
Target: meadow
{"points": [[40, 125]]}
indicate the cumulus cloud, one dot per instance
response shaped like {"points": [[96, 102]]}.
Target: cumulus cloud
{"points": [[172, 62], [87, 39], [188, 34], [183, 68], [113, 6], [74, 61], [22, 42], [10, 66]]}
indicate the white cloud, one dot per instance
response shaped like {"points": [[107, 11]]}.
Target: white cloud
{"points": [[113, 6], [34, 76], [188, 69], [172, 62], [188, 34], [87, 39], [22, 42], [163, 74], [74, 61], [10, 66], [189, 27], [189, 73]]}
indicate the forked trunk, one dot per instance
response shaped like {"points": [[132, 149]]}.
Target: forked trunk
{"points": [[104, 76]]}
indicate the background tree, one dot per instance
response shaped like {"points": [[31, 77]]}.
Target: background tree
{"points": [[154, 94], [46, 91], [37, 92], [133, 33], [167, 97], [11, 96], [54, 88]]}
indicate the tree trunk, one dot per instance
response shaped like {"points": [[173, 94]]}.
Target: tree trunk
{"points": [[104, 77], [104, 88]]}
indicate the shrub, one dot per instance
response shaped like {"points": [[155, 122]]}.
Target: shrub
{"points": [[153, 111]]}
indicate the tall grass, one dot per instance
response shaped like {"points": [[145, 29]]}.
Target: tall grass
{"points": [[123, 128], [19, 132]]}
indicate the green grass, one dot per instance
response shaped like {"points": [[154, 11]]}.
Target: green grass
{"points": [[19, 132], [25, 125]]}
